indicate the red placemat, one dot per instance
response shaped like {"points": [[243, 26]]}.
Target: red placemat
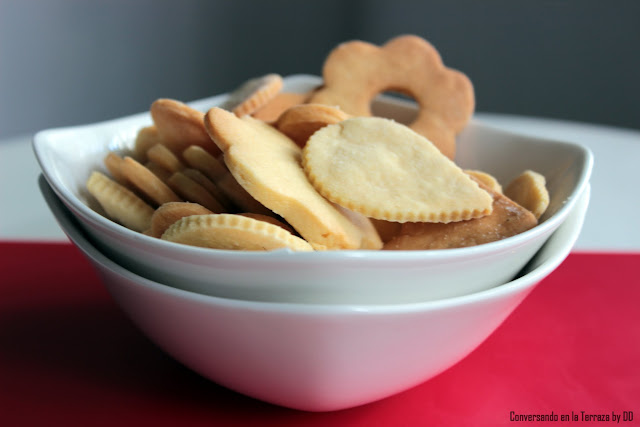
{"points": [[69, 356]]}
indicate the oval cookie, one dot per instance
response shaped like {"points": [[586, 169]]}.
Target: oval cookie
{"points": [[120, 204], [384, 170], [234, 232]]}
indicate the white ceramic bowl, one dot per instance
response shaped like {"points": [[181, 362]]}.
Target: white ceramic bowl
{"points": [[67, 156], [311, 356]]}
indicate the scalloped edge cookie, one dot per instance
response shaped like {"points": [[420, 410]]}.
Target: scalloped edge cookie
{"points": [[385, 170]]}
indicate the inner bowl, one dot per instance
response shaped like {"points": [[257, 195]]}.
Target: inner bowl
{"points": [[67, 157], [316, 357]]}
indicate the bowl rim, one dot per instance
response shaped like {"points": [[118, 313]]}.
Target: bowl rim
{"points": [[40, 146], [571, 227]]}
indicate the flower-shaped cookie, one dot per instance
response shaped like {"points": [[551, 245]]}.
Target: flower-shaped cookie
{"points": [[355, 72]]}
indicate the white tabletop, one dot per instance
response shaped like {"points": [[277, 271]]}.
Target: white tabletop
{"points": [[612, 223]]}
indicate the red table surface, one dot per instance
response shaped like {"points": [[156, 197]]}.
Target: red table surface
{"points": [[69, 356]]}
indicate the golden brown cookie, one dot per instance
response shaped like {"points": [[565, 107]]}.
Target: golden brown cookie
{"points": [[158, 170], [301, 121], [147, 182], [191, 191], [507, 219], [119, 203], [281, 102], [355, 72], [218, 173], [232, 232], [168, 213], [200, 159], [267, 164], [529, 190], [210, 186], [384, 170], [165, 158], [112, 162], [253, 94], [239, 196], [180, 126], [146, 138]]}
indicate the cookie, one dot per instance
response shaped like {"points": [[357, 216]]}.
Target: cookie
{"points": [[200, 159], [168, 213], [301, 121], [280, 103], [147, 182], [165, 158], [112, 162], [232, 232], [146, 138], [530, 191], [191, 191], [486, 179], [253, 94], [180, 126], [506, 219], [385, 170], [355, 72], [266, 163], [217, 172], [270, 219], [119, 203]]}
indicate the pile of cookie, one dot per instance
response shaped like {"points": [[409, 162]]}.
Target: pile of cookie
{"points": [[271, 169]]}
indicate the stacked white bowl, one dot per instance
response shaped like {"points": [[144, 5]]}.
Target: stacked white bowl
{"points": [[322, 330]]}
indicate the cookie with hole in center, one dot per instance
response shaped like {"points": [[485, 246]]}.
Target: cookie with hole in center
{"points": [[355, 72]]}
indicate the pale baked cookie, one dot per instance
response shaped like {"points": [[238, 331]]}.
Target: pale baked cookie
{"points": [[234, 232], [486, 179], [253, 94], [355, 72], [529, 190], [180, 126], [384, 170], [119, 203], [168, 213], [267, 164], [301, 121], [507, 219], [280, 103]]}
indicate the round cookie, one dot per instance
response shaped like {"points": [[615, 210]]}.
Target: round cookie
{"points": [[233, 232]]}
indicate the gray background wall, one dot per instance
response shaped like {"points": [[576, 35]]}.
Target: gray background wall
{"points": [[67, 62]]}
